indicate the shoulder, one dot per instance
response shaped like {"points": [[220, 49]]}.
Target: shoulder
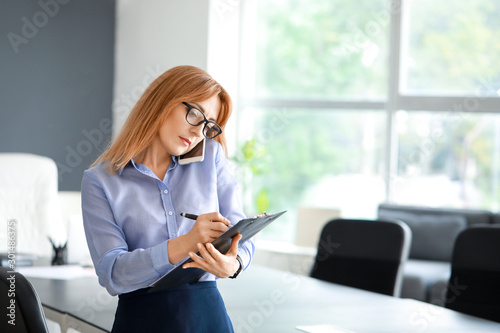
{"points": [[98, 174], [214, 150], [97, 171]]}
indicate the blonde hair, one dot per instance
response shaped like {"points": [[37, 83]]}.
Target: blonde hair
{"points": [[176, 85]]}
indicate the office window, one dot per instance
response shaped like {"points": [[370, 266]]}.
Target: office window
{"points": [[450, 48], [323, 49], [371, 101], [328, 158], [448, 159]]}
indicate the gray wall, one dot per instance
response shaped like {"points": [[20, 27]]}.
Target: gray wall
{"points": [[56, 81]]}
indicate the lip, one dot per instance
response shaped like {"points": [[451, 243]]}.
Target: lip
{"points": [[185, 141]]}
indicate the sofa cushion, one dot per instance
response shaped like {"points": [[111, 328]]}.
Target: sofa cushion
{"points": [[472, 216], [413, 287], [495, 219], [424, 280], [437, 292], [433, 236]]}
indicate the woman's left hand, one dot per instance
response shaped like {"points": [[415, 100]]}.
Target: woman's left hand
{"points": [[220, 265]]}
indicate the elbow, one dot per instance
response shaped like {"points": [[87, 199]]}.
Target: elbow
{"points": [[106, 277], [113, 287]]}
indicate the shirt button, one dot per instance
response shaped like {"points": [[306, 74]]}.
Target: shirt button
{"points": [[170, 213], [166, 191]]}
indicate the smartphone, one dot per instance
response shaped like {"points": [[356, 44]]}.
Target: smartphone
{"points": [[197, 154]]}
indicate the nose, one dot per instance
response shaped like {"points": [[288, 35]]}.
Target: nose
{"points": [[198, 130]]}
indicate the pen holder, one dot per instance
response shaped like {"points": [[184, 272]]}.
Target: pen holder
{"points": [[60, 255]]}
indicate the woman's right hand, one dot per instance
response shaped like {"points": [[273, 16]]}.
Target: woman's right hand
{"points": [[206, 229]]}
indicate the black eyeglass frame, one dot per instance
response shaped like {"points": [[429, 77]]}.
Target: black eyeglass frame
{"points": [[205, 121]]}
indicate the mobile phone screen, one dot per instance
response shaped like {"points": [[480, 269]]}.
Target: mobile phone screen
{"points": [[197, 154]]}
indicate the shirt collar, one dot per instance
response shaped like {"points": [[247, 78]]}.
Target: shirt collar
{"points": [[119, 172], [138, 167]]}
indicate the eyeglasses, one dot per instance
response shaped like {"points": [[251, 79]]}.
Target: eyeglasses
{"points": [[195, 117]]}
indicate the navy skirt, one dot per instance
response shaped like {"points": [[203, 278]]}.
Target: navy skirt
{"points": [[196, 307]]}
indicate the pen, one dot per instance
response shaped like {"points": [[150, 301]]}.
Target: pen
{"points": [[189, 216], [194, 217]]}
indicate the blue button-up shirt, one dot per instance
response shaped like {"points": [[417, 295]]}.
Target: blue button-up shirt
{"points": [[130, 217]]}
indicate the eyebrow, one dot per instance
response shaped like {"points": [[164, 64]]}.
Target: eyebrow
{"points": [[204, 112]]}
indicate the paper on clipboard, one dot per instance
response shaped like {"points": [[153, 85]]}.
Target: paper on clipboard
{"points": [[247, 228]]}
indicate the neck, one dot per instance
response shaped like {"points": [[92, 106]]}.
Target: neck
{"points": [[156, 159]]}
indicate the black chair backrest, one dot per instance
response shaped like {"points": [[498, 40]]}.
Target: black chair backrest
{"points": [[20, 305], [474, 285], [365, 254]]}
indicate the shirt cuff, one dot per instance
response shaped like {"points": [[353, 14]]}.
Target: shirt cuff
{"points": [[159, 258], [245, 256]]}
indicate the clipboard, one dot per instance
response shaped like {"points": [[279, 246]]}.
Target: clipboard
{"points": [[247, 228]]}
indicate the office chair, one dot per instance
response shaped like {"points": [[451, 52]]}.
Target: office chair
{"points": [[29, 202], [474, 285], [27, 311], [363, 254]]}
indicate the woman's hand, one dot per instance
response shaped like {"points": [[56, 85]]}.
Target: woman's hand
{"points": [[207, 228], [212, 261]]}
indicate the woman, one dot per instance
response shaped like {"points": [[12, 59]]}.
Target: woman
{"points": [[134, 193]]}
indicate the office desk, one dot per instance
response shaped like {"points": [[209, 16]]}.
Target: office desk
{"points": [[264, 300], [82, 298]]}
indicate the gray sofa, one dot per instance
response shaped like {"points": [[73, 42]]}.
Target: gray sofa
{"points": [[434, 231]]}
